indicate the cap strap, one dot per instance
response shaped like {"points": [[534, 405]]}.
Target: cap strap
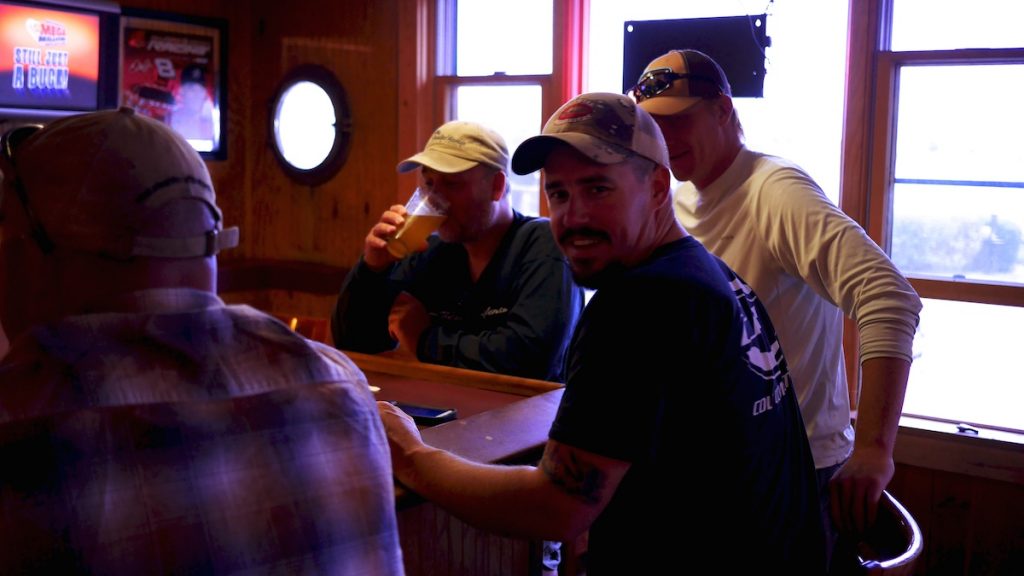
{"points": [[192, 247]]}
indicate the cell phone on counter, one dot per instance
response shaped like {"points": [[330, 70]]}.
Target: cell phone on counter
{"points": [[426, 415]]}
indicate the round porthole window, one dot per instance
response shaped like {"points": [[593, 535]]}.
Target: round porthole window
{"points": [[310, 126]]}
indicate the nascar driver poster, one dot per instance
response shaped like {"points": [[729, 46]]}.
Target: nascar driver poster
{"points": [[170, 73]]}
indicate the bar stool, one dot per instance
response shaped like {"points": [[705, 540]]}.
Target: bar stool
{"points": [[889, 548]]}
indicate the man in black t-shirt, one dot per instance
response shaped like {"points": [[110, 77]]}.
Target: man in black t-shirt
{"points": [[674, 365]]}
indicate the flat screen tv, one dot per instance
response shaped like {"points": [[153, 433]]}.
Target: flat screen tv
{"points": [[737, 43], [55, 56]]}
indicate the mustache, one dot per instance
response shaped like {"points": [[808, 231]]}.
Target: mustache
{"points": [[571, 233]]}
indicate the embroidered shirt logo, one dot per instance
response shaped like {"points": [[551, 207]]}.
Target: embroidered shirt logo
{"points": [[488, 312]]}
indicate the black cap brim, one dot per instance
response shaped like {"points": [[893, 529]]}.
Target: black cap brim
{"points": [[532, 153]]}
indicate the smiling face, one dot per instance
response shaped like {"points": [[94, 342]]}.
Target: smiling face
{"points": [[603, 215], [701, 140]]}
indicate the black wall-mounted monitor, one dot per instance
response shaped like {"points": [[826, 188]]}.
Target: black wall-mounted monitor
{"points": [[54, 58], [737, 43]]}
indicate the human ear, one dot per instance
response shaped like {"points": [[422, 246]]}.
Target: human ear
{"points": [[723, 108], [499, 182], [661, 185]]}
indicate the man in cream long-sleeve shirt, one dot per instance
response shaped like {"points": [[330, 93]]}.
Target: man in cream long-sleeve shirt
{"points": [[808, 263]]}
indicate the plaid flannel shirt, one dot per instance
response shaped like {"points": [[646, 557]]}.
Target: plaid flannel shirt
{"points": [[179, 435]]}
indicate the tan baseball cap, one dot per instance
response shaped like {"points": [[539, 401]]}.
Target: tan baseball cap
{"points": [[677, 80], [607, 128], [107, 182], [458, 146]]}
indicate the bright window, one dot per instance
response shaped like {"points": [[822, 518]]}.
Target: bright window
{"points": [[962, 354], [951, 24], [954, 189], [491, 37], [958, 198], [514, 112], [501, 74], [305, 125]]}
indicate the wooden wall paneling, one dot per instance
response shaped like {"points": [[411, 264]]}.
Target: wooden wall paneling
{"points": [[971, 525], [912, 486], [995, 542], [233, 177], [282, 287], [326, 224], [269, 182], [355, 40], [416, 66], [458, 549], [950, 525], [312, 223]]}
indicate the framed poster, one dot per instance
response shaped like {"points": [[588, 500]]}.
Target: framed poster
{"points": [[173, 69]]}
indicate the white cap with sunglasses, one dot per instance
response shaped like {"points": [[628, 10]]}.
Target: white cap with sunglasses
{"points": [[677, 80]]}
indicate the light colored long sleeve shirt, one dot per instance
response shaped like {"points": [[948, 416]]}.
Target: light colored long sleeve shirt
{"points": [[809, 263]]}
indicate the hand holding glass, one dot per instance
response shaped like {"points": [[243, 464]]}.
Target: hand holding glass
{"points": [[424, 214]]}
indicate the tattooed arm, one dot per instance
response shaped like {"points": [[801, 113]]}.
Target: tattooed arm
{"points": [[556, 501]]}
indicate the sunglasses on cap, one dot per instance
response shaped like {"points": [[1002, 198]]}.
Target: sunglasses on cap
{"points": [[9, 143], [656, 81]]}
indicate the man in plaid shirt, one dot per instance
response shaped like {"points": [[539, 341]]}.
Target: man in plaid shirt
{"points": [[145, 426]]}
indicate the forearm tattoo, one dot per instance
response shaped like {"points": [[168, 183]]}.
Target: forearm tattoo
{"points": [[571, 474]]}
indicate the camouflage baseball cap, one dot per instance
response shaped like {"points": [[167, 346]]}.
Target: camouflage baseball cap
{"points": [[607, 128]]}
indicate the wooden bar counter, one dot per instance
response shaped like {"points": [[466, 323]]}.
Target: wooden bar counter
{"points": [[501, 420]]}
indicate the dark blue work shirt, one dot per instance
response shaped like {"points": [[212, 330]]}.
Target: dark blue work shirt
{"points": [[515, 319]]}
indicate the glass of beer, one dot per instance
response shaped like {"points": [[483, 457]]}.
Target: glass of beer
{"points": [[424, 214]]}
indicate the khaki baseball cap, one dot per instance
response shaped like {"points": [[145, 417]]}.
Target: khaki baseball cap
{"points": [[458, 146], [607, 128], [107, 182], [677, 80]]}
